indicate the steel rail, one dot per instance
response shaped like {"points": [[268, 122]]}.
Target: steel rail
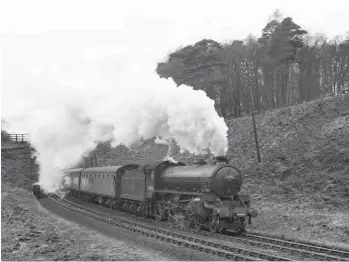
{"points": [[310, 251], [310, 247]]}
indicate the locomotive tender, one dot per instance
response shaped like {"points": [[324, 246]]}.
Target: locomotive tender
{"points": [[203, 195]]}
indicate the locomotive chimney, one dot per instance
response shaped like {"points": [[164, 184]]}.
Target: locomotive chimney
{"points": [[222, 159]]}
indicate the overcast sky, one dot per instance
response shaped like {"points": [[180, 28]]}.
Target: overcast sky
{"points": [[35, 36], [219, 19]]}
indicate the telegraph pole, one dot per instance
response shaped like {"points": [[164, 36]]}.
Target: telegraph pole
{"points": [[254, 122]]}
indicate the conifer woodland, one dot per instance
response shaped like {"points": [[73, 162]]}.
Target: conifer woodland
{"points": [[284, 66]]}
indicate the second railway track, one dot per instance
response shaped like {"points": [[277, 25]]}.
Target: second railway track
{"points": [[320, 251], [310, 251]]}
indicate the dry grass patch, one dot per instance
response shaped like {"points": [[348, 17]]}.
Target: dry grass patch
{"points": [[298, 221]]}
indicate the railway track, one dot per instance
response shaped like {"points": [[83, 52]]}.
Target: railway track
{"points": [[303, 245], [293, 248], [310, 251], [301, 249], [317, 247], [203, 244]]}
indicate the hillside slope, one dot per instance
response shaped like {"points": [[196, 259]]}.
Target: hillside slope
{"points": [[305, 153], [18, 168]]}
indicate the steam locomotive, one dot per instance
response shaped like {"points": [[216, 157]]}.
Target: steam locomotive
{"points": [[199, 196]]}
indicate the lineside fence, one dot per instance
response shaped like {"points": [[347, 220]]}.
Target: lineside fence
{"points": [[14, 138]]}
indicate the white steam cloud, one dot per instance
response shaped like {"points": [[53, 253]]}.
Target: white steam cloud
{"points": [[77, 95]]}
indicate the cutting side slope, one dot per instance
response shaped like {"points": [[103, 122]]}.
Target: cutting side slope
{"points": [[305, 153]]}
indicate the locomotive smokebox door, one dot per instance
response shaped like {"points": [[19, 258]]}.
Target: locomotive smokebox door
{"points": [[226, 182]]}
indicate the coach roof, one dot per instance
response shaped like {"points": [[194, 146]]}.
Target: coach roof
{"points": [[109, 169]]}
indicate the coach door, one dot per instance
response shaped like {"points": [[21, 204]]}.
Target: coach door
{"points": [[117, 183], [150, 175]]}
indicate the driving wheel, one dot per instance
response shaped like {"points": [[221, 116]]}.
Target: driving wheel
{"points": [[159, 212], [197, 224], [188, 219], [214, 224]]}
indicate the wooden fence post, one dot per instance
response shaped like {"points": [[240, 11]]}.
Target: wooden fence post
{"points": [[96, 162]]}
